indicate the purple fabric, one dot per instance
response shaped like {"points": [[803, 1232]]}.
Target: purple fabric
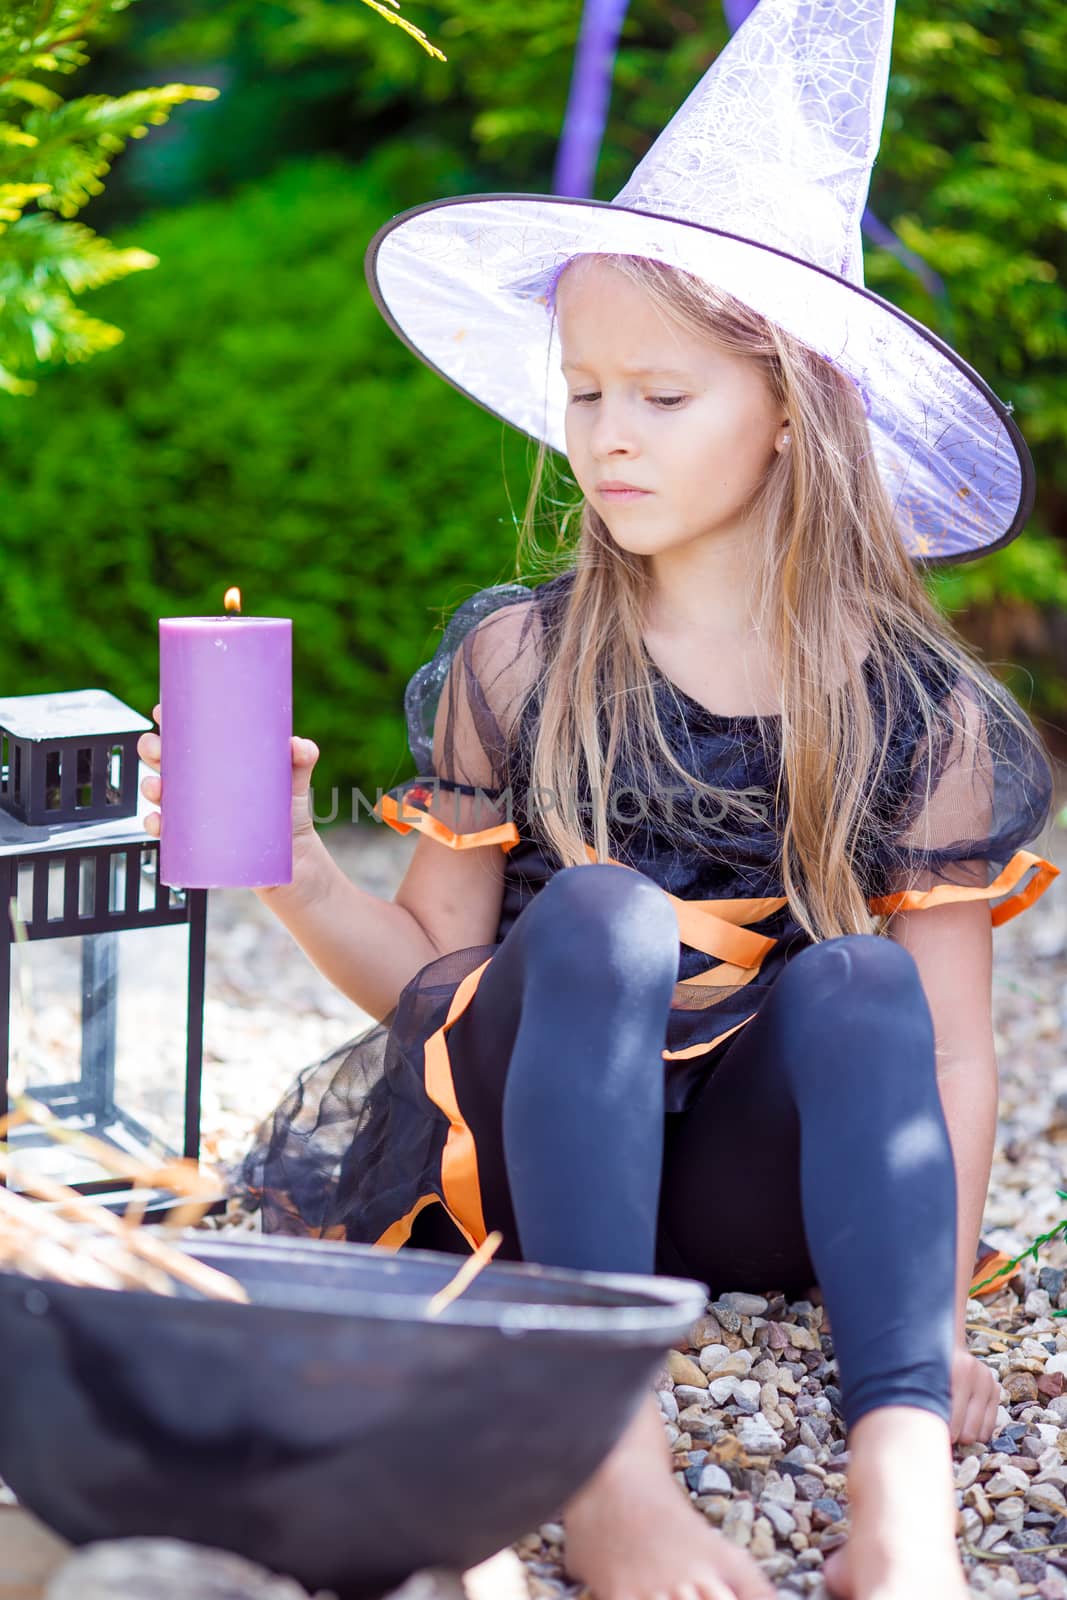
{"points": [[737, 11], [589, 97]]}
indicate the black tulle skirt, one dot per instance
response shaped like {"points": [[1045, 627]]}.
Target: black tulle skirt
{"points": [[369, 1141]]}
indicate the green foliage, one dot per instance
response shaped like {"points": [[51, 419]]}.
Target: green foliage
{"points": [[54, 156], [1026, 580], [260, 426], [1030, 570]]}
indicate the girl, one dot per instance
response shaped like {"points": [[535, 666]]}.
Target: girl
{"points": [[690, 968]]}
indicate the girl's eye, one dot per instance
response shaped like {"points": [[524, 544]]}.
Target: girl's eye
{"points": [[656, 400]]}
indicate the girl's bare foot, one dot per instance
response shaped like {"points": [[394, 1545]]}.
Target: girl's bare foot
{"points": [[902, 1511], [631, 1534]]}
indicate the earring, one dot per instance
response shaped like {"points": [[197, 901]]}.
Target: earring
{"points": [[785, 440]]}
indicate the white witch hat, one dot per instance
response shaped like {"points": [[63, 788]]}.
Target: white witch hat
{"points": [[757, 184]]}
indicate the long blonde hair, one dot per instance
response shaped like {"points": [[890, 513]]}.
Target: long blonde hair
{"points": [[834, 568]]}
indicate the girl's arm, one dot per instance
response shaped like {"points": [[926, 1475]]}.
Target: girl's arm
{"points": [[953, 949], [368, 947]]}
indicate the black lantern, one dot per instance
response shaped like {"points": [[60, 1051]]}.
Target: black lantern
{"points": [[78, 870]]}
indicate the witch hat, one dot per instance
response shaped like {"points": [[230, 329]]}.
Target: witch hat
{"points": [[757, 184]]}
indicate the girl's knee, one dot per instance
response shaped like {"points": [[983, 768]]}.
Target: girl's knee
{"points": [[611, 918], [604, 892], [858, 964], [859, 995]]}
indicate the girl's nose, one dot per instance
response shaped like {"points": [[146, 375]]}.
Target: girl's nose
{"points": [[612, 429]]}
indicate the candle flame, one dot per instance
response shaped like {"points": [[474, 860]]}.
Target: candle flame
{"points": [[231, 600]]}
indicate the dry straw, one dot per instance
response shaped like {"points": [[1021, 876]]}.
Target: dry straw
{"points": [[72, 1238], [75, 1239], [466, 1274]]}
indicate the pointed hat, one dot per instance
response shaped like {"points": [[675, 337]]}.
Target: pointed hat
{"points": [[758, 185]]}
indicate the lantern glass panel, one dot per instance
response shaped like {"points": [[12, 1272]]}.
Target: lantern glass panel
{"points": [[98, 1033], [114, 775], [83, 792], [52, 780]]}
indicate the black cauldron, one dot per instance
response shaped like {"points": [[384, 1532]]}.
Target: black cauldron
{"points": [[330, 1430]]}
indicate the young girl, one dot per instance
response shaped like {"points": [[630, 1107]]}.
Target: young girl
{"points": [[690, 967]]}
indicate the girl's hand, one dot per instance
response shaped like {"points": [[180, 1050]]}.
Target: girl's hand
{"points": [[305, 753], [976, 1395]]}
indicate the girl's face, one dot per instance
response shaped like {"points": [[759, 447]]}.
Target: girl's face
{"points": [[648, 405]]}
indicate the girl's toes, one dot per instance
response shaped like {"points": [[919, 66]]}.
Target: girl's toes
{"points": [[837, 1575]]}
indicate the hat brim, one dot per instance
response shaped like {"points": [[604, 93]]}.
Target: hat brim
{"points": [[464, 283]]}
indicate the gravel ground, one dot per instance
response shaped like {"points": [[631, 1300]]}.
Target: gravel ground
{"points": [[751, 1409]]}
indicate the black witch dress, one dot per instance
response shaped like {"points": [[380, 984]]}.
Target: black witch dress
{"points": [[372, 1134]]}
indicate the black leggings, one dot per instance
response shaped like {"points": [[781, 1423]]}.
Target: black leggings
{"points": [[817, 1152]]}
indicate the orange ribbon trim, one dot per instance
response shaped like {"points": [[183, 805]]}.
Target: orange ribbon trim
{"points": [[505, 834], [720, 932], [1020, 863], [459, 1164], [703, 1045], [399, 1232]]}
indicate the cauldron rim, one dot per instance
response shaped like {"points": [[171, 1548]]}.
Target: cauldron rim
{"points": [[654, 1300]]}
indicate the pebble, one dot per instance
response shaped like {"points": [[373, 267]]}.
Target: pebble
{"points": [[695, 1421], [715, 1356], [682, 1370], [713, 1480], [779, 1518], [668, 1404], [746, 1305], [1051, 1280], [1020, 1387], [728, 1318], [1008, 1481], [737, 1523], [824, 1511], [686, 1394], [781, 1489], [761, 1545], [756, 1434], [1047, 1497]]}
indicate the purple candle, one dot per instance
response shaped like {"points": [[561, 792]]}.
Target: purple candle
{"points": [[226, 692]]}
